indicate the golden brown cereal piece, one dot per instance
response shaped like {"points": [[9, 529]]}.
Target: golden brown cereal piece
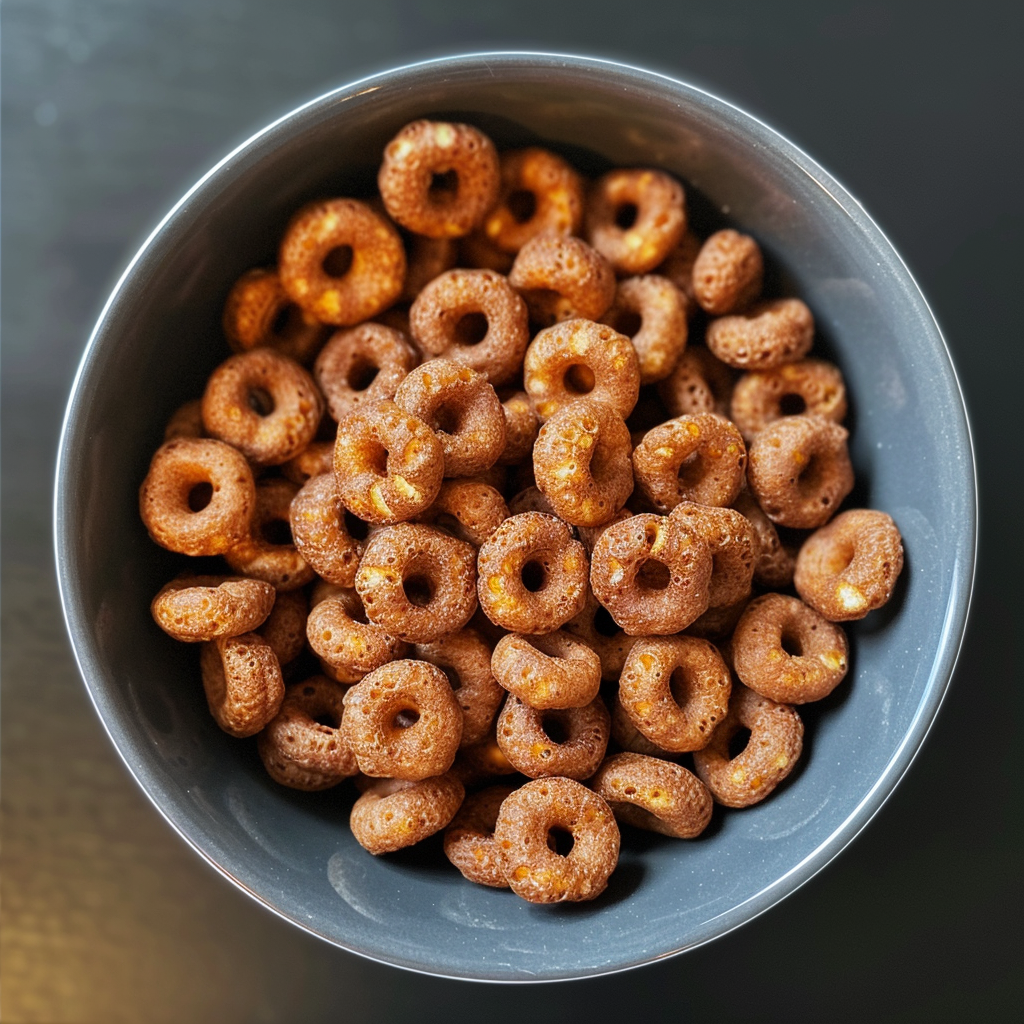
{"points": [[657, 795], [476, 319], [402, 721], [787, 652], [635, 218], [465, 658], [243, 684], [699, 383], [698, 458], [478, 252], [267, 554], [733, 544], [599, 631], [579, 359], [198, 497], [651, 574], [362, 364], [426, 258], [320, 534], [193, 608], [774, 566], [678, 267], [263, 404], [799, 470], [462, 407], [339, 634], [439, 179], [631, 739], [850, 567], [469, 839], [581, 462], [387, 818], [303, 746], [285, 627], [553, 671], [388, 464], [651, 311], [312, 461], [341, 262], [532, 574], [469, 509], [727, 273], [527, 831], [187, 421], [561, 278], [259, 312], [530, 499], [676, 690], [717, 624], [417, 582], [482, 762], [767, 335], [775, 743], [521, 426]]}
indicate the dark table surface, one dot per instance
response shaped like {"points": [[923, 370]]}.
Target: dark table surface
{"points": [[111, 110]]}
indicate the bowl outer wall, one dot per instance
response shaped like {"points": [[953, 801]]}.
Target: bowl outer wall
{"points": [[158, 338]]}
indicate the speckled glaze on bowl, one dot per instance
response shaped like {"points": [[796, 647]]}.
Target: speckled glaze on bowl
{"points": [[157, 339]]}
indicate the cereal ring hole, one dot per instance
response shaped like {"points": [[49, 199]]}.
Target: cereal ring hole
{"points": [[356, 528], [361, 374], [338, 262], [453, 676], [791, 643], [681, 685], [626, 215], [553, 726], [522, 204], [692, 470], [449, 417], [560, 840], [328, 719], [199, 496], [792, 405], [629, 322], [419, 589], [579, 379], [277, 532], [261, 401], [471, 329], [738, 743], [534, 576], [654, 575], [405, 718], [444, 187]]}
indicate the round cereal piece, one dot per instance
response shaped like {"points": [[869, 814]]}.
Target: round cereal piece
{"points": [[303, 746], [426, 258], [198, 497], [547, 672], [767, 335], [462, 408], [465, 658], [320, 534], [341, 637], [651, 311], [469, 509], [589, 534], [581, 463], [268, 553], [341, 262], [521, 426], [799, 470], [388, 464], [402, 721], [631, 739], [317, 458], [730, 537], [530, 824], [578, 359], [478, 252], [532, 574], [363, 364], [186, 421], [387, 818], [727, 273], [439, 179], [599, 631], [474, 318], [788, 652], [850, 567], [469, 839], [676, 690], [678, 267], [635, 218], [243, 683], [771, 753], [530, 499], [263, 404], [285, 626], [194, 608], [417, 582], [809, 386], [775, 564], [482, 762], [656, 795], [651, 574], [699, 383], [560, 277], [717, 624]]}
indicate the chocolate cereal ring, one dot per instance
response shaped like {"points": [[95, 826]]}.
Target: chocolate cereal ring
{"points": [[631, 739], [388, 817], [651, 311], [521, 426], [194, 608], [553, 671], [599, 631], [482, 762], [733, 544], [727, 273], [678, 267], [186, 421], [469, 509], [339, 634], [426, 258], [767, 335], [285, 627], [699, 383], [313, 460], [320, 533], [469, 839], [774, 566], [243, 684], [530, 499]]}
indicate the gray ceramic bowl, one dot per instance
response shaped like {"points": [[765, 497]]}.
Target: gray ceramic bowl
{"points": [[158, 338]]}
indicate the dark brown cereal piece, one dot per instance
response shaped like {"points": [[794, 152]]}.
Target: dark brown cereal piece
{"points": [[186, 421], [775, 743], [341, 262], [390, 816], [482, 762], [426, 258], [478, 252], [402, 721], [339, 634], [678, 267], [767, 335], [198, 497], [243, 684], [194, 608], [727, 273], [319, 532], [530, 499], [526, 830], [521, 426], [285, 626], [717, 624], [557, 670], [469, 509], [469, 839], [774, 567], [417, 582], [787, 652], [732, 541], [599, 631], [532, 574], [635, 218], [699, 383], [850, 567], [439, 179], [653, 794], [799, 470], [313, 460]]}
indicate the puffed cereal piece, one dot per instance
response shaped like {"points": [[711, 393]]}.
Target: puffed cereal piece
{"points": [[532, 574], [469, 839], [194, 608], [547, 672], [469, 509], [339, 634], [478, 252], [523, 839], [521, 426], [678, 268], [389, 816], [599, 631], [186, 421], [786, 651], [426, 258], [771, 753], [320, 534], [731, 539], [530, 499], [765, 336], [243, 683], [651, 311], [317, 458], [850, 567], [699, 383], [439, 179], [717, 624], [402, 721], [727, 273], [631, 739], [775, 564], [482, 762], [285, 627]]}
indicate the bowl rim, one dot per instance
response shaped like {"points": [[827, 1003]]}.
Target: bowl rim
{"points": [[953, 626]]}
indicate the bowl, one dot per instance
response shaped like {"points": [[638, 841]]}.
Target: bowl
{"points": [[157, 339]]}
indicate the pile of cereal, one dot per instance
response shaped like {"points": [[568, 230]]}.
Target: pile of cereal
{"points": [[464, 458]]}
